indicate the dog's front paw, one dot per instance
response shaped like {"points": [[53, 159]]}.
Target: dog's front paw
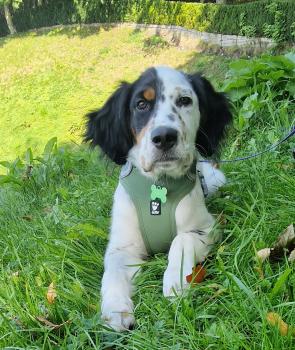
{"points": [[117, 313], [173, 283]]}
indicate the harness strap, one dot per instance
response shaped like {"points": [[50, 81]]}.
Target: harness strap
{"points": [[157, 231]]}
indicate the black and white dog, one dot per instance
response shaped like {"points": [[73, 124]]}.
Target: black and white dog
{"points": [[162, 123]]}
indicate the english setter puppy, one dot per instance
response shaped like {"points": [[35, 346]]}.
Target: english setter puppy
{"points": [[158, 128]]}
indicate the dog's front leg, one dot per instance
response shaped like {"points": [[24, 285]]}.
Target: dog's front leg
{"points": [[116, 291], [187, 249], [196, 235], [123, 257]]}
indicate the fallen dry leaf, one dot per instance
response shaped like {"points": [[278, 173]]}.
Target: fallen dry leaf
{"points": [[260, 272], [292, 256], [285, 244], [27, 173], [220, 219], [27, 217], [17, 321], [47, 210], [51, 325], [275, 320], [51, 293], [285, 238], [197, 276], [263, 254]]}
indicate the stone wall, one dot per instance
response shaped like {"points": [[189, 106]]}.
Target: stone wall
{"points": [[186, 38]]}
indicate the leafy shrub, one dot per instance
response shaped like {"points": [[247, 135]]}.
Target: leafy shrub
{"points": [[255, 85], [276, 30], [200, 16], [246, 30], [54, 163]]}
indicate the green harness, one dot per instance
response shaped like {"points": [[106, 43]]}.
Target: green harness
{"points": [[155, 204]]}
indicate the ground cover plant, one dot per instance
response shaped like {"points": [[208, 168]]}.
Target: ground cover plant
{"points": [[55, 200]]}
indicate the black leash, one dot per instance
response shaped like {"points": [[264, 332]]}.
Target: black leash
{"points": [[270, 148]]}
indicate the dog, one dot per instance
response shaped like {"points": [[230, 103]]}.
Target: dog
{"points": [[158, 128]]}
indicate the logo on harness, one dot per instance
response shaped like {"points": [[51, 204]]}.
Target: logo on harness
{"points": [[155, 207]]}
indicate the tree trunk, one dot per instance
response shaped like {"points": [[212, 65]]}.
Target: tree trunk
{"points": [[8, 17]]}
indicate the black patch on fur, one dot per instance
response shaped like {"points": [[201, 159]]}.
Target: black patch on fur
{"points": [[215, 116], [174, 110], [139, 119], [163, 98], [112, 126], [109, 127]]}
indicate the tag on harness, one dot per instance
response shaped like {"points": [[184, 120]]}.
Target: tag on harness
{"points": [[159, 192], [155, 207]]}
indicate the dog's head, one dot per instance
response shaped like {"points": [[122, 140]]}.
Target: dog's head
{"points": [[159, 121]]}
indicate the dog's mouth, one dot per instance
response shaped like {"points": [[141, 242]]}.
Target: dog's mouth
{"points": [[166, 160]]}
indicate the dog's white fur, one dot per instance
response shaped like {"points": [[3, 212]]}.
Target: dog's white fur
{"points": [[126, 249]]}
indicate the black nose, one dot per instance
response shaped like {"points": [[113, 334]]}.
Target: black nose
{"points": [[164, 138]]}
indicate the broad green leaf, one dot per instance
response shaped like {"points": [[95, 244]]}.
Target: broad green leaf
{"points": [[279, 62], [291, 56], [275, 75], [49, 147], [5, 164], [29, 156], [250, 106], [233, 84], [5, 179], [290, 86], [240, 67], [280, 283], [239, 93]]}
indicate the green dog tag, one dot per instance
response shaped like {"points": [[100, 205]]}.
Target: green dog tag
{"points": [[159, 192]]}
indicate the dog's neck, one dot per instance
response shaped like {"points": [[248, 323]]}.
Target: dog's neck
{"points": [[156, 172], [189, 171]]}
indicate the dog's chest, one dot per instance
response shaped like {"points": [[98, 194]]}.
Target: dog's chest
{"points": [[156, 205]]}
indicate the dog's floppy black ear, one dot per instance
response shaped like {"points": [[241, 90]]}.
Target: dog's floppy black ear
{"points": [[215, 116], [109, 127]]}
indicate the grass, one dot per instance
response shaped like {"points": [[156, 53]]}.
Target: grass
{"points": [[54, 217]]}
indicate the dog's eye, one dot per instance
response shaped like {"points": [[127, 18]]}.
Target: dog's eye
{"points": [[184, 101], [142, 105]]}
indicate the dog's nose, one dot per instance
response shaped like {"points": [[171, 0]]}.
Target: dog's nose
{"points": [[164, 138]]}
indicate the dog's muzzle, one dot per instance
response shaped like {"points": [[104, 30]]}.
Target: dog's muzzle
{"points": [[164, 138]]}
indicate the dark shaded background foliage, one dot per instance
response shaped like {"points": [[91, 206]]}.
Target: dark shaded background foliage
{"points": [[200, 16]]}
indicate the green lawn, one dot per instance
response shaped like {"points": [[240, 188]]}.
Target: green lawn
{"points": [[54, 217]]}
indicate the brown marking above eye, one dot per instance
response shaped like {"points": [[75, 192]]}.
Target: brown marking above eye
{"points": [[149, 94]]}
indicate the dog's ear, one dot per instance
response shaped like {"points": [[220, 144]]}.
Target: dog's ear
{"points": [[215, 116], [109, 127]]}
